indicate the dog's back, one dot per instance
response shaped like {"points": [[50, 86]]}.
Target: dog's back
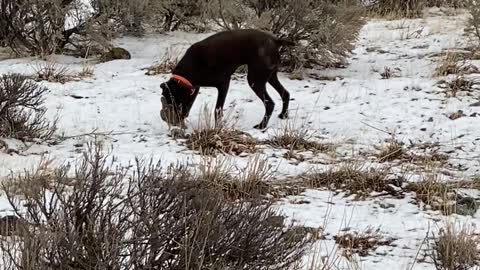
{"points": [[225, 51]]}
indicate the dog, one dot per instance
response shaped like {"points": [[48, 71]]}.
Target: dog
{"points": [[211, 63]]}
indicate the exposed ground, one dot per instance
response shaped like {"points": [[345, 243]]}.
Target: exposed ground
{"points": [[385, 109]]}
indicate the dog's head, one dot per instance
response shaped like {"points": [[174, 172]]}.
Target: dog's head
{"points": [[177, 99]]}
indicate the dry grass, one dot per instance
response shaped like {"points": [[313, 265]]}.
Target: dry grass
{"points": [[456, 248], [389, 73], [295, 137], [447, 66], [435, 194], [392, 150], [86, 72], [394, 9], [453, 63], [253, 181], [354, 178], [168, 62], [361, 243], [458, 85], [210, 138], [427, 159], [52, 72], [57, 73]]}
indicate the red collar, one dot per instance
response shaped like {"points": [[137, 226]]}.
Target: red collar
{"points": [[182, 81]]}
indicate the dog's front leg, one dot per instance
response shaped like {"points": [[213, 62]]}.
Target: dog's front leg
{"points": [[222, 95]]}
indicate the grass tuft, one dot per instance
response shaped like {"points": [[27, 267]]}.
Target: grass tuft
{"points": [[210, 138], [352, 177], [456, 248]]}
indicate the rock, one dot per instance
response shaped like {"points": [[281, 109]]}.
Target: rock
{"points": [[456, 115], [115, 53], [386, 205], [466, 206]]}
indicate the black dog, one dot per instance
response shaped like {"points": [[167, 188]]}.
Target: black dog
{"points": [[212, 61]]}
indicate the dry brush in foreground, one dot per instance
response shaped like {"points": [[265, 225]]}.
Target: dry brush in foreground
{"points": [[96, 216]]}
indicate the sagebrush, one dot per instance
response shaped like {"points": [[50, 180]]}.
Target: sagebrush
{"points": [[96, 216], [22, 114]]}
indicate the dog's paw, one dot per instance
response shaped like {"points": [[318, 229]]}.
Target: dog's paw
{"points": [[283, 116], [260, 126]]}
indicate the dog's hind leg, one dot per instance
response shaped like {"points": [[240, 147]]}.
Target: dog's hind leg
{"points": [[275, 83], [258, 82]]}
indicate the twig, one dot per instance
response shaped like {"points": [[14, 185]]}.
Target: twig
{"points": [[95, 133], [378, 129]]}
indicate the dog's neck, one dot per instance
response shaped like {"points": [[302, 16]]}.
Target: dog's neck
{"points": [[181, 70]]}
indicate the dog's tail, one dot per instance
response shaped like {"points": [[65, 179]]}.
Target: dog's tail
{"points": [[284, 42]]}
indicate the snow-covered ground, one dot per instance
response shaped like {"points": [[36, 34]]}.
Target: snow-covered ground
{"points": [[355, 112]]}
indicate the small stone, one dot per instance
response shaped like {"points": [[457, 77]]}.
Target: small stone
{"points": [[466, 206], [423, 129], [115, 53], [386, 205], [456, 115]]}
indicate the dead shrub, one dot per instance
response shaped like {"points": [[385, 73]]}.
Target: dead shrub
{"points": [[324, 31], [22, 114], [34, 26], [94, 215], [473, 23], [41, 27], [210, 138], [398, 9], [361, 243], [166, 64], [139, 16], [407, 8], [354, 178], [456, 248]]}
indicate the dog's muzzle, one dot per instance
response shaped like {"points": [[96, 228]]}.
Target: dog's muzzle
{"points": [[169, 114]]}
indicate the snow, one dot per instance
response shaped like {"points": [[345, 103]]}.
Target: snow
{"points": [[355, 112]]}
